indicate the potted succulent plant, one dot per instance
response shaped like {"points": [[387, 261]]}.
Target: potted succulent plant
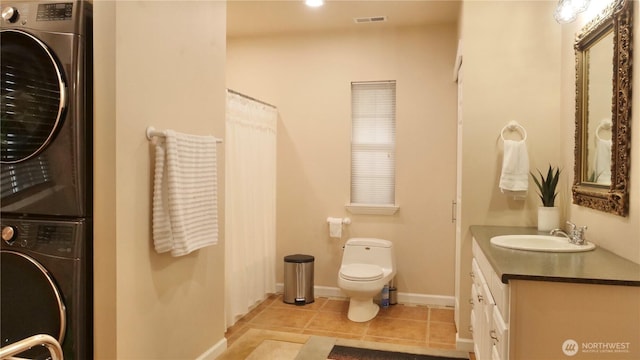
{"points": [[548, 213]]}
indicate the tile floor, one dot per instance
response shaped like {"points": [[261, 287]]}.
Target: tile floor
{"points": [[419, 325]]}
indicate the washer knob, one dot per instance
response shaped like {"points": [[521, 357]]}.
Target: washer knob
{"points": [[9, 234], [10, 14]]}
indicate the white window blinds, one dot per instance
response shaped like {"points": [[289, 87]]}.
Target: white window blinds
{"points": [[373, 113]]}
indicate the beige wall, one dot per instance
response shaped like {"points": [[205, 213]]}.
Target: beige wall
{"points": [[511, 72], [105, 283], [308, 76], [161, 64]]}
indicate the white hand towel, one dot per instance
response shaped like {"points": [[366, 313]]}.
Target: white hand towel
{"points": [[185, 199], [515, 167], [602, 161]]}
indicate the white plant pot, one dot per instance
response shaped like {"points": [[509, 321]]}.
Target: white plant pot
{"points": [[548, 218]]}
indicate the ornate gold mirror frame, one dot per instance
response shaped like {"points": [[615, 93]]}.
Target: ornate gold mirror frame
{"points": [[616, 18]]}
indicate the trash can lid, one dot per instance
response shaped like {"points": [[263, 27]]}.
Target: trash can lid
{"points": [[298, 258]]}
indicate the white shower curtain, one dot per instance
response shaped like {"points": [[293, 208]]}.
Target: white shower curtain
{"points": [[250, 204]]}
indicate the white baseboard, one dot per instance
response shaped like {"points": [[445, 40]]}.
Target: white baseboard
{"points": [[403, 298], [214, 351], [464, 344], [326, 291], [425, 299]]}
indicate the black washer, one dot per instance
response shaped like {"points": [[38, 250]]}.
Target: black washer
{"points": [[31, 303]]}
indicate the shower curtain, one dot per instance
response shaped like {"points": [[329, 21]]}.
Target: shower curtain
{"points": [[250, 204]]}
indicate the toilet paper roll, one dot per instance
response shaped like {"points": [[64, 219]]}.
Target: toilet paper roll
{"points": [[335, 227]]}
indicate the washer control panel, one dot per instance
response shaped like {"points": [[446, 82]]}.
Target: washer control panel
{"points": [[53, 12], [70, 16], [47, 237]]}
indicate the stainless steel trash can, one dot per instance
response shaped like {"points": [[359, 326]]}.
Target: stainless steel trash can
{"points": [[298, 279]]}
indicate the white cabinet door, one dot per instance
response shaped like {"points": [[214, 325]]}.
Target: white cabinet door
{"points": [[499, 335]]}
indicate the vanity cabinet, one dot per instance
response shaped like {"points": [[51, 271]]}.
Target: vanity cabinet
{"points": [[532, 305], [489, 309]]}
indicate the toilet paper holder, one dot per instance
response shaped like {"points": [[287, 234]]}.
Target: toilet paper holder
{"points": [[345, 221]]}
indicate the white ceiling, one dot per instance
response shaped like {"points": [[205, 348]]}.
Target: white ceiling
{"points": [[260, 17]]}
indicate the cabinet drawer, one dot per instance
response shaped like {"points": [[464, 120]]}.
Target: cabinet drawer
{"points": [[476, 314], [474, 297], [483, 263], [487, 298], [500, 294], [488, 308], [473, 327], [499, 291], [500, 335], [476, 274]]}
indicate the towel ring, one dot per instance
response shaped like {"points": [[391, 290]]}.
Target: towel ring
{"points": [[605, 124], [514, 126]]}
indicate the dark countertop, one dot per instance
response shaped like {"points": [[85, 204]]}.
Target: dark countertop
{"points": [[598, 266]]}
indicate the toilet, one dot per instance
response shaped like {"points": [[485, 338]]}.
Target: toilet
{"points": [[367, 265]]}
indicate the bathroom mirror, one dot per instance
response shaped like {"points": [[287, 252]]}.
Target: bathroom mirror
{"points": [[603, 110]]}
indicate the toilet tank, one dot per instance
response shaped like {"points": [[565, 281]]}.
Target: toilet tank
{"points": [[369, 251]]}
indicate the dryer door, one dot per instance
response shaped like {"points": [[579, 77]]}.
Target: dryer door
{"points": [[30, 302], [44, 158], [33, 96]]}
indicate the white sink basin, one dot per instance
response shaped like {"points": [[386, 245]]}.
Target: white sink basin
{"points": [[546, 243]]}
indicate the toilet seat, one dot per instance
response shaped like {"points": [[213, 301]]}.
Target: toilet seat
{"points": [[361, 272]]}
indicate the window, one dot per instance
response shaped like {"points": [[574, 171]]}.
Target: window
{"points": [[373, 113]]}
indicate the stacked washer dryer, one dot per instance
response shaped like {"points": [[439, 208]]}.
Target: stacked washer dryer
{"points": [[46, 155]]}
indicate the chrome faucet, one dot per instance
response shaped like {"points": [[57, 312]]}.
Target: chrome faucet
{"points": [[575, 235]]}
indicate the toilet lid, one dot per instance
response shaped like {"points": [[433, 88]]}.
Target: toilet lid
{"points": [[361, 272]]}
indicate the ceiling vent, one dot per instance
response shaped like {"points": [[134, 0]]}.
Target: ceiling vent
{"points": [[370, 19]]}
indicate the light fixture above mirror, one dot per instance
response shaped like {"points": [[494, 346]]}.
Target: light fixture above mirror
{"points": [[568, 10]]}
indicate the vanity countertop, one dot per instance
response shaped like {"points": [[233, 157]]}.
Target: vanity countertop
{"points": [[598, 266]]}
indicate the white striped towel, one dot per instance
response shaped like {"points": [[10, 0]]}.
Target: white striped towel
{"points": [[185, 193]]}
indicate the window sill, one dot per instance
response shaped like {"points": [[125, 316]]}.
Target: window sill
{"points": [[372, 209]]}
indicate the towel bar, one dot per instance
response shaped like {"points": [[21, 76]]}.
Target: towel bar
{"points": [[151, 132], [346, 220]]}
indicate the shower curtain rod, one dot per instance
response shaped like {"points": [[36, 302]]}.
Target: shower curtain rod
{"points": [[251, 98]]}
